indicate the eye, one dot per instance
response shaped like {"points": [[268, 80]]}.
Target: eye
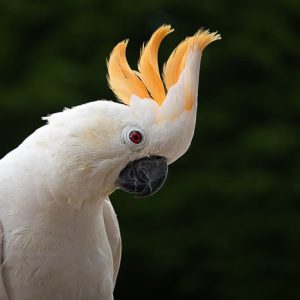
{"points": [[135, 136]]}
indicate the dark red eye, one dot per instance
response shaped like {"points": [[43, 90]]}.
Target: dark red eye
{"points": [[135, 136]]}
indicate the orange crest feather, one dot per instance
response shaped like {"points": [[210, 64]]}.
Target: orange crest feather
{"points": [[148, 64], [147, 83], [122, 80]]}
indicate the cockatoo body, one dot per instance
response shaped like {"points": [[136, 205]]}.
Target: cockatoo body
{"points": [[60, 235]]}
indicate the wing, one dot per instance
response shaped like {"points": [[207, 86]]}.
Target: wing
{"points": [[3, 294], [113, 234]]}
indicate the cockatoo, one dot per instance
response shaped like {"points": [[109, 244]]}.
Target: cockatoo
{"points": [[59, 232]]}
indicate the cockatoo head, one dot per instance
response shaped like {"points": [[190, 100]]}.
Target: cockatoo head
{"points": [[129, 145], [164, 110]]}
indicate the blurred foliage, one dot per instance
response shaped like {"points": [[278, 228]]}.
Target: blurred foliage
{"points": [[226, 224]]}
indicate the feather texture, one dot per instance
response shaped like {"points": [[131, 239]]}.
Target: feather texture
{"points": [[148, 64], [3, 294], [175, 63], [123, 81], [177, 60]]}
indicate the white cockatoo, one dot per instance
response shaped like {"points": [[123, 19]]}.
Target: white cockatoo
{"points": [[59, 232]]}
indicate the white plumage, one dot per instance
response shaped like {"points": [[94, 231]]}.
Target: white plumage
{"points": [[61, 237]]}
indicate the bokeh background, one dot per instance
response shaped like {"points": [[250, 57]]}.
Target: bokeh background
{"points": [[226, 225]]}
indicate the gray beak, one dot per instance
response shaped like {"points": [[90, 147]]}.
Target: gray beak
{"points": [[143, 177]]}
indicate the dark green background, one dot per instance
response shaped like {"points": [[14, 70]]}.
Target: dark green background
{"points": [[226, 225]]}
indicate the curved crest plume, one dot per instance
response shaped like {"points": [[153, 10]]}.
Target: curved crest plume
{"points": [[122, 80], [148, 64], [147, 82]]}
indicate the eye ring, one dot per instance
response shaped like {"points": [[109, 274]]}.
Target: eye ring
{"points": [[134, 137]]}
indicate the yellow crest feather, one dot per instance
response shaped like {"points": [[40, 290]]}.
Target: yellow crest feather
{"points": [[148, 64], [147, 83], [176, 62], [122, 80]]}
